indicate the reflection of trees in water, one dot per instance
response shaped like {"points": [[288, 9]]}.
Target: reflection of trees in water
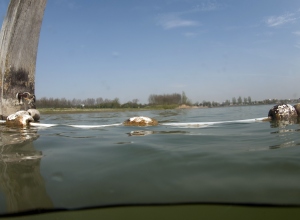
{"points": [[284, 134], [20, 178]]}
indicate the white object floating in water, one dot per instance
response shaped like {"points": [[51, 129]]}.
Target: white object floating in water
{"points": [[42, 125], [74, 126], [199, 124], [140, 118], [140, 121], [174, 124], [94, 126], [20, 118]]}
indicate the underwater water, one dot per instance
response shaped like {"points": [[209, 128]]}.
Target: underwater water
{"points": [[235, 162]]}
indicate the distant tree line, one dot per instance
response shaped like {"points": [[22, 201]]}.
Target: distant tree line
{"points": [[245, 101], [165, 100], [238, 101], [85, 103], [169, 99]]}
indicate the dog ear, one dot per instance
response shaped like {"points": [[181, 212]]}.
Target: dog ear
{"points": [[19, 96]]}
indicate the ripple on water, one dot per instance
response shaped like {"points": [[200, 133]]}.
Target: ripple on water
{"points": [[231, 162], [57, 176], [74, 135]]}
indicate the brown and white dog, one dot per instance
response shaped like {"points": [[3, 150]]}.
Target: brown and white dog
{"points": [[23, 118], [26, 96]]}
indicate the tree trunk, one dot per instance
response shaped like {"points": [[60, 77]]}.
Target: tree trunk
{"points": [[18, 50]]}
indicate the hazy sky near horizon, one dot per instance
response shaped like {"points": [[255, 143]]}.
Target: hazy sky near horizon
{"points": [[210, 49]]}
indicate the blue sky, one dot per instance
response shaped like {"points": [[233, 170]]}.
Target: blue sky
{"points": [[211, 50]]}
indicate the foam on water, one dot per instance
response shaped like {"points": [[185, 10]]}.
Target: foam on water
{"points": [[195, 124], [173, 124], [94, 126]]}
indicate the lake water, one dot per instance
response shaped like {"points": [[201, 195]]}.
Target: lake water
{"points": [[228, 163]]}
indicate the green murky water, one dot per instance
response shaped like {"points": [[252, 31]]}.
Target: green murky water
{"points": [[228, 163]]}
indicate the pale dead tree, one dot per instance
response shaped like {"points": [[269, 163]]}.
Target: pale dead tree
{"points": [[19, 38]]}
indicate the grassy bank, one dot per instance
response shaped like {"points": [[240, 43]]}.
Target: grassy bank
{"points": [[84, 110], [89, 110]]}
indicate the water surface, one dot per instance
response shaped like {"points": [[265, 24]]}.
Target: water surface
{"points": [[68, 167]]}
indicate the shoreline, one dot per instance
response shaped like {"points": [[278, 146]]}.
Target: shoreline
{"points": [[86, 110], [98, 110]]}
